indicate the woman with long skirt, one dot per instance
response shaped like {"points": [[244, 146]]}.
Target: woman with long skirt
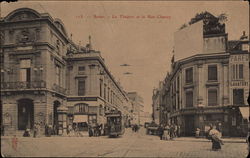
{"points": [[216, 139]]}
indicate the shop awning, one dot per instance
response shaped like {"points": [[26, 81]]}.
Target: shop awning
{"points": [[80, 118], [244, 112]]}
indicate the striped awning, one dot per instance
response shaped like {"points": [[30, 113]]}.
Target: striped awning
{"points": [[244, 112], [80, 118]]}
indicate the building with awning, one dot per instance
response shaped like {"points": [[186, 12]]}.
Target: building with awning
{"points": [[209, 83]]}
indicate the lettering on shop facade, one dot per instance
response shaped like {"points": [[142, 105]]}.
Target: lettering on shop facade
{"points": [[82, 99], [239, 83], [239, 58]]}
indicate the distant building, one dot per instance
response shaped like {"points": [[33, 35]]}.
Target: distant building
{"points": [[47, 79], [137, 106], [209, 86], [145, 117]]}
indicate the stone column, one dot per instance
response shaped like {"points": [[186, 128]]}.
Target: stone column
{"points": [[225, 84], [200, 84]]}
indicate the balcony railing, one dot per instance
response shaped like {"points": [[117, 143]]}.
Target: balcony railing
{"points": [[23, 85], [58, 89]]}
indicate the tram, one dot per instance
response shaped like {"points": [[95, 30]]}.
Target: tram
{"points": [[115, 124]]}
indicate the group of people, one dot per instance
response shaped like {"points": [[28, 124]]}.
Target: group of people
{"points": [[36, 130], [135, 128], [169, 131], [95, 130]]}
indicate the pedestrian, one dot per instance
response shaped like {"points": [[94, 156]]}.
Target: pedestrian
{"points": [[14, 143], [161, 131], [35, 130], [178, 130], [2, 130], [171, 131], [95, 129], [46, 130], [216, 138], [175, 130], [106, 129], [137, 128], [49, 130], [100, 130], [39, 125], [207, 133], [197, 133], [166, 133], [26, 133]]}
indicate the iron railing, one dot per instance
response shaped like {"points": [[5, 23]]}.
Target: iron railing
{"points": [[23, 85]]}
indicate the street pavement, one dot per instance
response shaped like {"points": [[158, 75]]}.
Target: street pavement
{"points": [[129, 145]]}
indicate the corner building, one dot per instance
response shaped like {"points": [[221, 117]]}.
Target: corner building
{"points": [[209, 84], [46, 78]]}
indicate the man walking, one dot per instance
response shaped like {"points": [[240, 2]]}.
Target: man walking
{"points": [[35, 130]]}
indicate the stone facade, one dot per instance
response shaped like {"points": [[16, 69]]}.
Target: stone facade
{"points": [[209, 87], [40, 73]]}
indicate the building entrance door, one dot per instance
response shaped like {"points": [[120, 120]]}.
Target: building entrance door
{"points": [[25, 114], [189, 125]]}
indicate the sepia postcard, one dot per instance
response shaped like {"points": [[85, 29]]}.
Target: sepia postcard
{"points": [[125, 79]]}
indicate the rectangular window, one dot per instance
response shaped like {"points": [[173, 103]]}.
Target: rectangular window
{"points": [[101, 83], [25, 67], [108, 94], [212, 97], [240, 71], [81, 70], [189, 99], [238, 96], [212, 73], [237, 71], [189, 75], [81, 108], [92, 119], [104, 91], [178, 83], [81, 87], [58, 75]]}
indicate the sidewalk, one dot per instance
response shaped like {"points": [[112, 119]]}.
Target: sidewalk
{"points": [[226, 140]]}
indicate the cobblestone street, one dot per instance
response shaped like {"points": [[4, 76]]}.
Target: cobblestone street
{"points": [[129, 145]]}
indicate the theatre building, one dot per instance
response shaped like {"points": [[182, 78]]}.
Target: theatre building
{"points": [[47, 79], [209, 83]]}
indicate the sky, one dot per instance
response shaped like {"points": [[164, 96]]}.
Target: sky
{"points": [[138, 33]]}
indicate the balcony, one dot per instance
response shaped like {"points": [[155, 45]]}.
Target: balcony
{"points": [[23, 85], [58, 89]]}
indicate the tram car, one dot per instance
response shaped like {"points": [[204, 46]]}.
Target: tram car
{"points": [[115, 124]]}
